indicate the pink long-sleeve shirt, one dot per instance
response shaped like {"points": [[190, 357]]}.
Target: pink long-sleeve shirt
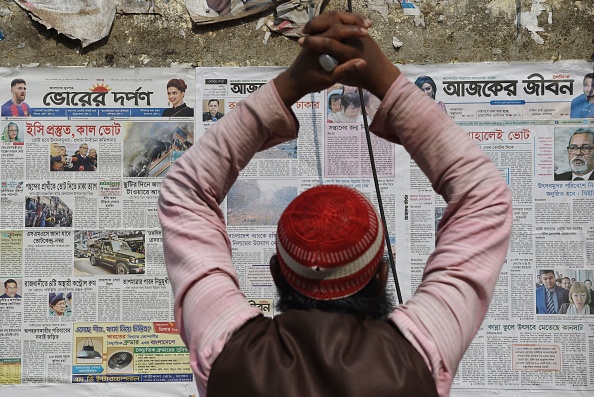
{"points": [[444, 314]]}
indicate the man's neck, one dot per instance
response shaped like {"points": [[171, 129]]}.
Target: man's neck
{"points": [[16, 101], [585, 176]]}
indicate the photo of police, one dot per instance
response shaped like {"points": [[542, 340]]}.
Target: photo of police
{"points": [[47, 211], [212, 109], [57, 305]]}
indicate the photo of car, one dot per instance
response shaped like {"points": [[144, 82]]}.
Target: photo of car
{"points": [[117, 254]]}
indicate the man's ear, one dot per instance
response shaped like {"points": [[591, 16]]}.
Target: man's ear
{"points": [[382, 275], [277, 276]]}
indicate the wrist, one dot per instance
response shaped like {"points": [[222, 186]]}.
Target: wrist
{"points": [[287, 88], [379, 86]]}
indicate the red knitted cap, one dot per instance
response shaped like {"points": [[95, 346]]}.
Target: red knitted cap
{"points": [[329, 242]]}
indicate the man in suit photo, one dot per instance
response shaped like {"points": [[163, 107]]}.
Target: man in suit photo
{"points": [[580, 156], [550, 296]]}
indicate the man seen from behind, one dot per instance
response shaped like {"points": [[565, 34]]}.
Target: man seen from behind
{"points": [[338, 334]]}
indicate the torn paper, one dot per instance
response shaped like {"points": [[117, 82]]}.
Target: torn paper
{"points": [[212, 11], [291, 16], [86, 20], [529, 19], [408, 7]]}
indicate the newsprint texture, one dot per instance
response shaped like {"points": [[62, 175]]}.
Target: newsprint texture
{"points": [[85, 301]]}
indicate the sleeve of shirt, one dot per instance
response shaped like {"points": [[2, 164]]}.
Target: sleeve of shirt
{"points": [[444, 314], [208, 304]]}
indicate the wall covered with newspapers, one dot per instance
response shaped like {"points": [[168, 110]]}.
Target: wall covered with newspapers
{"points": [[85, 293]]}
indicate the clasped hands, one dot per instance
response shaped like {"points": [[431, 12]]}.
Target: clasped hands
{"points": [[345, 37]]}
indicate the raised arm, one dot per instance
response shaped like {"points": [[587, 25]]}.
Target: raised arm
{"points": [[444, 314], [208, 304], [449, 306]]}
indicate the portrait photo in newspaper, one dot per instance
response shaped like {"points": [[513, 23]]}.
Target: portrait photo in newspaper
{"points": [[213, 109], [60, 304], [12, 132], [582, 106], [12, 289], [176, 92], [574, 156]]}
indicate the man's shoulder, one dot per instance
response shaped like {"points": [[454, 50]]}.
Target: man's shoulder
{"points": [[561, 290], [564, 176], [7, 104], [578, 100]]}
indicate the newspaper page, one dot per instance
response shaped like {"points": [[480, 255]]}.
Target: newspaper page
{"points": [[523, 117], [87, 298]]}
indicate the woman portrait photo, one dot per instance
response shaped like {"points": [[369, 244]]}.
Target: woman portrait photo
{"points": [[579, 300], [427, 85], [176, 90], [11, 133]]}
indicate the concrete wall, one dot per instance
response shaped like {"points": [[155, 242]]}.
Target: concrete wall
{"points": [[447, 31]]}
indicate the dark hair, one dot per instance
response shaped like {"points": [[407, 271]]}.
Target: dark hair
{"points": [[213, 100], [546, 271], [589, 76], [372, 300], [366, 95], [10, 280], [17, 81], [426, 79], [177, 83], [334, 97], [350, 98], [565, 278]]}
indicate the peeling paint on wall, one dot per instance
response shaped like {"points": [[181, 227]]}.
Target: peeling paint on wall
{"points": [[529, 20], [502, 7], [526, 18]]}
